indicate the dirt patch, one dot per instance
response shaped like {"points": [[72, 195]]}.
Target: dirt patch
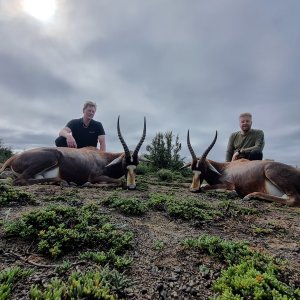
{"points": [[162, 268]]}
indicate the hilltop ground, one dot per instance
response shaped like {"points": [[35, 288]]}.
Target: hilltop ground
{"points": [[162, 268]]}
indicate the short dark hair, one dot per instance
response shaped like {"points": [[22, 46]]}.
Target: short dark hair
{"points": [[246, 114]]}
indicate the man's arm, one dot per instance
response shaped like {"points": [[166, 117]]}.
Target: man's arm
{"points": [[101, 139], [259, 141], [230, 148], [67, 134]]}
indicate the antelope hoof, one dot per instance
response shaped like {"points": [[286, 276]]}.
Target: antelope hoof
{"points": [[131, 187], [247, 198], [199, 190]]}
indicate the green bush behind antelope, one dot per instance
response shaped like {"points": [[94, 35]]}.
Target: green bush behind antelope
{"points": [[5, 152]]}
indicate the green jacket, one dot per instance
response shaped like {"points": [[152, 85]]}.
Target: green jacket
{"points": [[253, 140]]}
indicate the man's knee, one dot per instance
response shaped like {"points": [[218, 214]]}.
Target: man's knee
{"points": [[61, 142], [255, 155]]}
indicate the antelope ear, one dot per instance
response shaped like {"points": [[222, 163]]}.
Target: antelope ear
{"points": [[212, 168], [185, 166], [144, 159], [115, 161]]}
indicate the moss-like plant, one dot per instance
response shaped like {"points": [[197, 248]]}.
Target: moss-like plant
{"points": [[248, 281], [158, 245], [250, 274], [8, 277], [232, 209], [110, 257], [70, 197], [59, 229], [184, 208], [128, 206], [158, 201], [9, 194], [227, 251], [90, 285]]}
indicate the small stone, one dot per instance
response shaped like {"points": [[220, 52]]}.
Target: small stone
{"points": [[178, 270]]}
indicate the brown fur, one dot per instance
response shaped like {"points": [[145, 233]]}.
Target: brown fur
{"points": [[75, 165]]}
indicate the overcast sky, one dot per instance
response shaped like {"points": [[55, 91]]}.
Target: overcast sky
{"points": [[186, 64]]}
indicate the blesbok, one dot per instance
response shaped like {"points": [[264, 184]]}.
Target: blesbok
{"points": [[258, 179], [76, 165]]}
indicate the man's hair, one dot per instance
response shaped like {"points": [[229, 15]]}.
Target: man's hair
{"points": [[89, 103], [245, 114]]}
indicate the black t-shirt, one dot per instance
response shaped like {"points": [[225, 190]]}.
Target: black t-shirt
{"points": [[85, 136]]}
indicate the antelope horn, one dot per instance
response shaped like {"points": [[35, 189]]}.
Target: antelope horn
{"points": [[137, 148], [203, 157], [194, 157], [125, 147]]}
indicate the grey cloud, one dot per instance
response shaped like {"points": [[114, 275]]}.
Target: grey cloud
{"points": [[184, 65], [29, 81]]}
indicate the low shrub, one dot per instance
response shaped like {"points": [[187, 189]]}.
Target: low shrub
{"points": [[10, 276], [165, 175], [250, 274], [9, 194], [128, 206], [90, 285], [60, 229]]}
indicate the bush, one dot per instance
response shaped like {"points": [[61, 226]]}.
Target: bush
{"points": [[128, 206], [5, 152], [165, 175], [9, 194], [250, 274], [9, 277], [143, 169], [60, 229], [164, 153]]}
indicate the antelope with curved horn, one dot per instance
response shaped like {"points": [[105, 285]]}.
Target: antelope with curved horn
{"points": [[76, 165], [258, 179]]}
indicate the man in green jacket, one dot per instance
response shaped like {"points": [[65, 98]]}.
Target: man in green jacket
{"points": [[247, 143]]}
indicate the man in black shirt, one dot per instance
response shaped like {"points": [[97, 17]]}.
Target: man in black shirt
{"points": [[83, 132]]}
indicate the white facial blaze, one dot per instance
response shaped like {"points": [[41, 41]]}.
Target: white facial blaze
{"points": [[131, 176], [196, 181]]}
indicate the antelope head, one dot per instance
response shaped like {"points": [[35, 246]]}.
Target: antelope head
{"points": [[200, 166], [130, 160]]}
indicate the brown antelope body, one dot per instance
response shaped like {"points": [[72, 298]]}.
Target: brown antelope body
{"points": [[260, 179], [76, 165]]}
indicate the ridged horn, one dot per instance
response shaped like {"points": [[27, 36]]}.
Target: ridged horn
{"points": [[125, 147], [137, 148], [205, 153], [194, 157]]}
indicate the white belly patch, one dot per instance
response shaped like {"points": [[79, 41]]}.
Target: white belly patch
{"points": [[274, 191], [53, 173]]}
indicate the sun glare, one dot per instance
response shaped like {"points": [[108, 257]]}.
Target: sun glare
{"points": [[42, 10]]}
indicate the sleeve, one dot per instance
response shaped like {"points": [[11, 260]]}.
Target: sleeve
{"points": [[71, 124], [230, 148], [100, 129], [259, 142]]}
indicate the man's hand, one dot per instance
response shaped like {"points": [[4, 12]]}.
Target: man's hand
{"points": [[71, 142], [235, 156]]}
